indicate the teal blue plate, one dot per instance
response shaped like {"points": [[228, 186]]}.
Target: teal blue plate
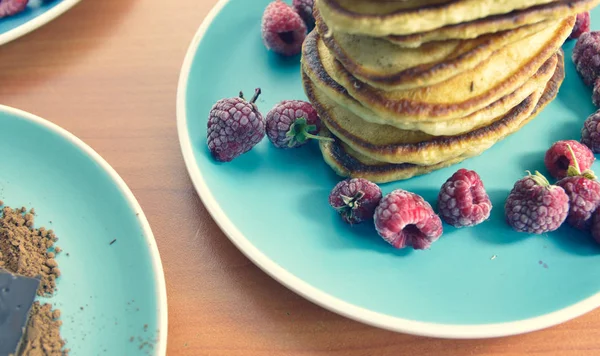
{"points": [[37, 14], [480, 282], [112, 296]]}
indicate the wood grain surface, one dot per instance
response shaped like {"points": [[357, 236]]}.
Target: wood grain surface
{"points": [[107, 71]]}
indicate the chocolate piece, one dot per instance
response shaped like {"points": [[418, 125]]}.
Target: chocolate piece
{"points": [[17, 294]]}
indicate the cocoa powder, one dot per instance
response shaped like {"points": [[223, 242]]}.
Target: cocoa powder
{"points": [[30, 251], [25, 250], [42, 336]]}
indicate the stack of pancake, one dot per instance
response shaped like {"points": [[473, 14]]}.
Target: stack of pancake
{"points": [[407, 87]]}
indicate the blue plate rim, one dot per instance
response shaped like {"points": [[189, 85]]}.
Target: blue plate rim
{"points": [[315, 295], [158, 272], [37, 22]]}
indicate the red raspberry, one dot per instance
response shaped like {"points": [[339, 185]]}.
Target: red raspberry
{"points": [[12, 7], [283, 30], [581, 25], [558, 158], [291, 123], [534, 206], [462, 201], [596, 226], [586, 56], [355, 200], [235, 126], [305, 9], [584, 195], [590, 133], [405, 219]]}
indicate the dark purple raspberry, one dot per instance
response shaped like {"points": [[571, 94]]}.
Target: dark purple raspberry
{"points": [[559, 158], [463, 201], [596, 93], [536, 207], [596, 226], [405, 219], [12, 7], [235, 126], [355, 200], [581, 25], [283, 30], [590, 133], [305, 9], [584, 195], [586, 56], [291, 123]]}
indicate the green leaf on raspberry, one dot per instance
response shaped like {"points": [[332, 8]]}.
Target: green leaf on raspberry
{"points": [[299, 133], [539, 178], [574, 170], [350, 204]]}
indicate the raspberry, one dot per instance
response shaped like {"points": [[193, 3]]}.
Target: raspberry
{"points": [[305, 9], [355, 200], [590, 133], [405, 219], [462, 201], [586, 56], [596, 93], [283, 30], [581, 25], [584, 195], [558, 158], [596, 226], [235, 126], [291, 123], [534, 206], [12, 7]]}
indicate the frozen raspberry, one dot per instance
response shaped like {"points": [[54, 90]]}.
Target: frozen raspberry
{"points": [[291, 123], [596, 93], [462, 201], [12, 7], [305, 9], [283, 30], [355, 200], [584, 195], [534, 206], [596, 226], [590, 133], [581, 25], [235, 126], [586, 56], [558, 158], [405, 219]]}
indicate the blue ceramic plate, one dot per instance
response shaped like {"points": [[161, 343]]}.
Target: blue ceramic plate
{"points": [[480, 282], [108, 293], [37, 14]]}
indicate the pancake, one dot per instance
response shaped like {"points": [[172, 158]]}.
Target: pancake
{"points": [[443, 128], [349, 163], [469, 30], [383, 18], [391, 145], [385, 66], [460, 96]]}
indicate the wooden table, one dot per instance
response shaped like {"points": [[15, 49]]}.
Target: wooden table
{"points": [[107, 71]]}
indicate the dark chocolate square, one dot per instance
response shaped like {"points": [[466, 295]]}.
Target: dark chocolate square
{"points": [[17, 294]]}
